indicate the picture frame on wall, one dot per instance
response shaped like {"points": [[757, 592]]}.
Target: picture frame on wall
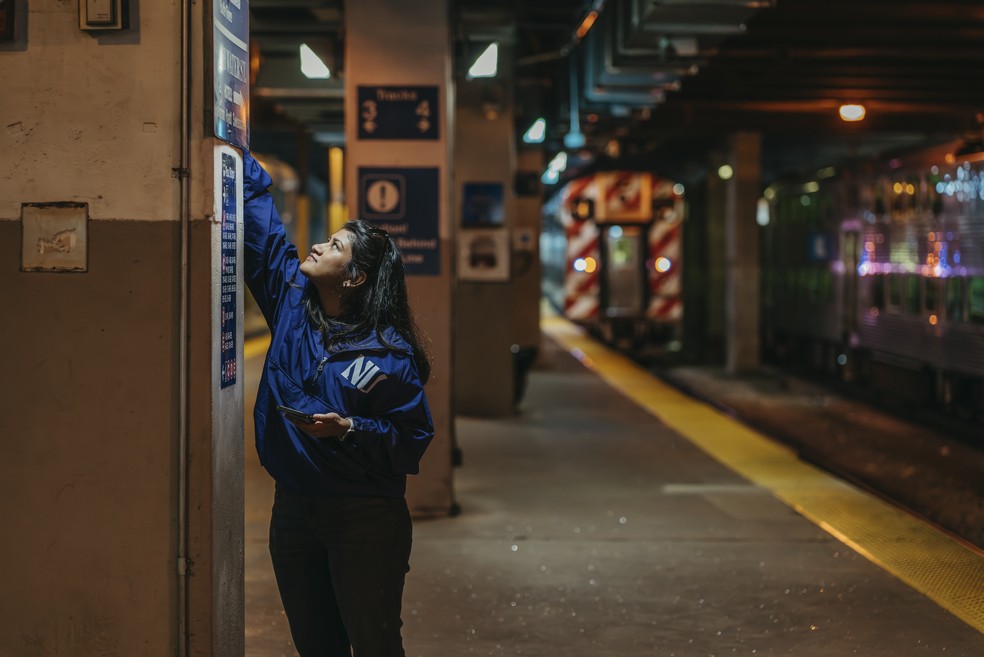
{"points": [[6, 20], [483, 205], [483, 255]]}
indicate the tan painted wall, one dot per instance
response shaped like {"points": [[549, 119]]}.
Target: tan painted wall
{"points": [[80, 110], [89, 482], [89, 416], [400, 42]]}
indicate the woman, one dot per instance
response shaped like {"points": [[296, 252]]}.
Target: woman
{"points": [[344, 349]]}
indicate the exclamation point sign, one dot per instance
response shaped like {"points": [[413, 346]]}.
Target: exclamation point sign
{"points": [[383, 197]]}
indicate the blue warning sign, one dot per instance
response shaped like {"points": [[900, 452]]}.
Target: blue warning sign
{"points": [[404, 202]]}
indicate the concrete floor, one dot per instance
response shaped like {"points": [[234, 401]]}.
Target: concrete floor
{"points": [[590, 529]]}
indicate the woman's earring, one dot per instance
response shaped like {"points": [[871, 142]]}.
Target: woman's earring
{"points": [[347, 284]]}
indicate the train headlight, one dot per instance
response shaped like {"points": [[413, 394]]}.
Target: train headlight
{"points": [[587, 265]]}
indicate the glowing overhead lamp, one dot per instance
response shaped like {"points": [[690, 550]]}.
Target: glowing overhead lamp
{"points": [[311, 65], [536, 132], [725, 172], [586, 24], [556, 166], [851, 112], [588, 21], [487, 64]]}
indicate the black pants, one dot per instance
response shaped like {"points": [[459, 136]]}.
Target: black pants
{"points": [[340, 564]]}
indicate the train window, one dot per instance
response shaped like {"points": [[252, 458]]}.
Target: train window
{"points": [[975, 305], [954, 292], [826, 285], [878, 291], [932, 295], [912, 294], [894, 291]]}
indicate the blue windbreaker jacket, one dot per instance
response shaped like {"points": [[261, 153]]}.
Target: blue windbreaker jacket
{"points": [[376, 386]]}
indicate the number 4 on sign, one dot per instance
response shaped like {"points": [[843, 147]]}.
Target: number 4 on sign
{"points": [[423, 111]]}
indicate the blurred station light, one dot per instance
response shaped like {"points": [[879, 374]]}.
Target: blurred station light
{"points": [[586, 24], [311, 65], [725, 172], [586, 265], [851, 112], [487, 64], [536, 132], [762, 215], [557, 165]]}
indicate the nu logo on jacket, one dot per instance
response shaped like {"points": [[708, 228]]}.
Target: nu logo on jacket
{"points": [[363, 374]]}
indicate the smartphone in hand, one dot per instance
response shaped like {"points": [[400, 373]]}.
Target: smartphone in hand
{"points": [[294, 414]]}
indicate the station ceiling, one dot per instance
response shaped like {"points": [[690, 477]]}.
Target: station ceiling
{"points": [[661, 83]]}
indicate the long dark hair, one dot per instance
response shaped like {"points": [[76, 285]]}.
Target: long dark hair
{"points": [[378, 303]]}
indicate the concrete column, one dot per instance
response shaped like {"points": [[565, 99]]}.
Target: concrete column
{"points": [[742, 303], [485, 308], [406, 43], [120, 482], [715, 255], [526, 250]]}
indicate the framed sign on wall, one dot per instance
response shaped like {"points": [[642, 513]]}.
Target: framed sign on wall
{"points": [[6, 20]]}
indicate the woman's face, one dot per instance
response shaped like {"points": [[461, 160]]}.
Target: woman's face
{"points": [[326, 263]]}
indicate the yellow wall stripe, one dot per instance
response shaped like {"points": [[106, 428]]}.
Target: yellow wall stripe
{"points": [[942, 568]]}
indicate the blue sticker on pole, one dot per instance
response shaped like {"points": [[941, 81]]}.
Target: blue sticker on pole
{"points": [[398, 112], [230, 71], [227, 287], [404, 203]]}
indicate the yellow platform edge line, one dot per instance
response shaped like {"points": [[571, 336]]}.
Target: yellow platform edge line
{"points": [[933, 563], [255, 346]]}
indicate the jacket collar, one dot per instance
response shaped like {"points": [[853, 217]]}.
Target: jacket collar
{"points": [[372, 342]]}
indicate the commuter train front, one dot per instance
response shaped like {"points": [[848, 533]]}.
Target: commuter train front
{"points": [[612, 253]]}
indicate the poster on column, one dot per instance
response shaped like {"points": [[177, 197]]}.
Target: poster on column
{"points": [[404, 202], [230, 71], [230, 209]]}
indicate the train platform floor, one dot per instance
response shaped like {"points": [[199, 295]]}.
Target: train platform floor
{"points": [[615, 516]]}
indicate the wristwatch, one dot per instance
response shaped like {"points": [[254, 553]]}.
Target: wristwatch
{"points": [[349, 431]]}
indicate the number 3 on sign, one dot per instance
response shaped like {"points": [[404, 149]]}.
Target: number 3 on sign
{"points": [[369, 115]]}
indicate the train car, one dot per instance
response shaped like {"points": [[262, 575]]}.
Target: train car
{"points": [[877, 274], [612, 247]]}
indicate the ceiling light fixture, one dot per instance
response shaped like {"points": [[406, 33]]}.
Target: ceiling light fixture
{"points": [[311, 65], [536, 132], [586, 24], [588, 21], [487, 64], [851, 112]]}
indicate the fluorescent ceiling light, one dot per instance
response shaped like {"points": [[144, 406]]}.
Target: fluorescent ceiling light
{"points": [[487, 63], [311, 65], [536, 132], [559, 162]]}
